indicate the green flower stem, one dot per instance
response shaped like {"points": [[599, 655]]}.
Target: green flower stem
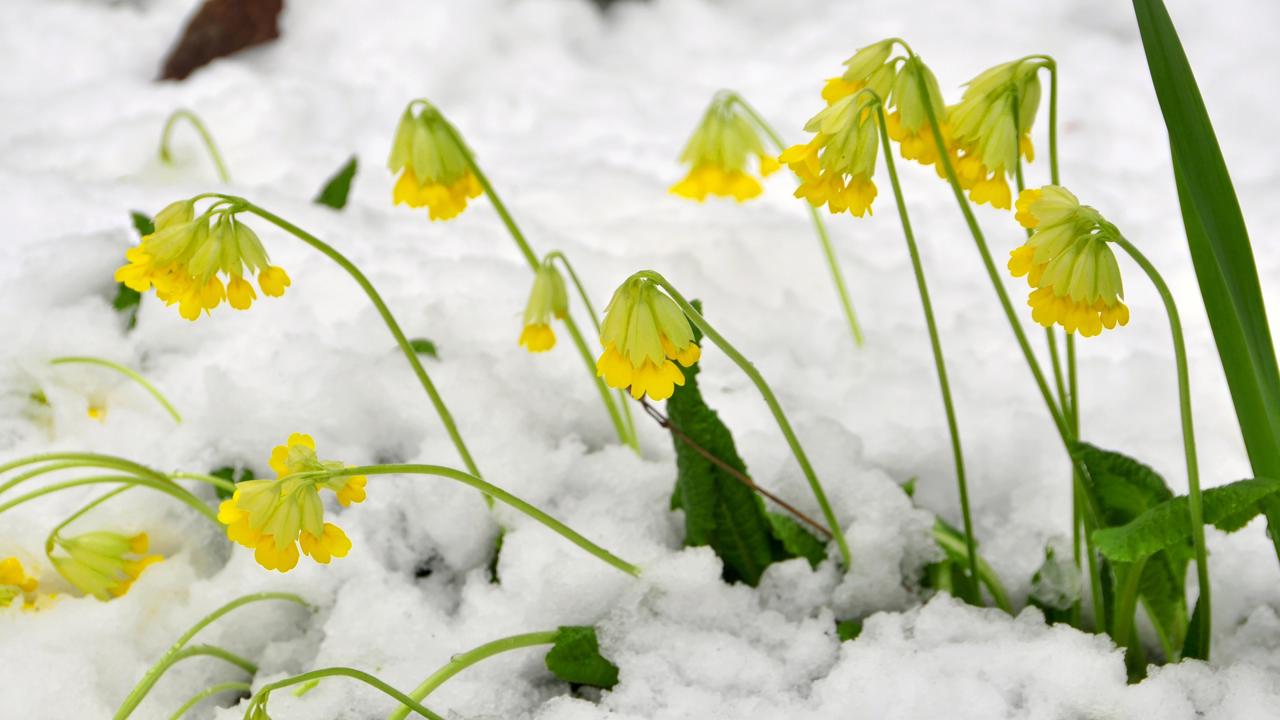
{"points": [[214, 480], [939, 361], [41, 470], [985, 573], [628, 431], [754, 375], [532, 258], [127, 372], [465, 660], [259, 700], [819, 227], [498, 493], [1080, 497], [65, 460], [446, 418], [1126, 608], [210, 692], [1188, 437], [169, 488], [172, 654], [48, 542], [184, 114]]}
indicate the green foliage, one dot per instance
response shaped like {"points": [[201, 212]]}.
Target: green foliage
{"points": [[848, 630], [575, 658], [142, 223], [1168, 525], [236, 474], [1220, 248], [797, 541], [338, 187], [423, 346]]}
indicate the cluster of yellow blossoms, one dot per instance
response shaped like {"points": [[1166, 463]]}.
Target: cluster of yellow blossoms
{"points": [[547, 299], [718, 153], [187, 258], [643, 332], [15, 584], [1069, 263], [990, 126], [435, 172], [276, 517], [103, 564]]}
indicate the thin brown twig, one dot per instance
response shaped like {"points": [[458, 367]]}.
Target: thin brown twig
{"points": [[665, 422]]}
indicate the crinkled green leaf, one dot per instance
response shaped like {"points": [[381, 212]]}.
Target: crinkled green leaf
{"points": [[575, 658], [423, 346], [797, 541], [338, 187], [1122, 488]]}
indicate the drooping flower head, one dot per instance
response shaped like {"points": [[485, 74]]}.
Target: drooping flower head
{"points": [[197, 262], [644, 331], [991, 125], [1069, 263], [433, 167], [719, 152], [276, 517], [908, 124], [102, 564], [547, 299], [15, 584]]}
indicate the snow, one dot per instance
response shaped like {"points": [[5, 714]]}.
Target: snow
{"points": [[578, 117]]}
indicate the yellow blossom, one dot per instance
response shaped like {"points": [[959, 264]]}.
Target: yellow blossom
{"points": [[547, 299], [197, 262], [643, 332], [276, 517], [1069, 263], [15, 584], [718, 153], [433, 167], [908, 124], [102, 564], [991, 126]]}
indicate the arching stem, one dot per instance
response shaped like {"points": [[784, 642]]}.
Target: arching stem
{"points": [[210, 691], [259, 701], [127, 372], [184, 114]]}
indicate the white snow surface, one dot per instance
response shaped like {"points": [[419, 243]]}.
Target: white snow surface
{"points": [[577, 117]]}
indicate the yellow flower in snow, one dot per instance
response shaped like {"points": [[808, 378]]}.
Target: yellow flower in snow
{"points": [[643, 332], [197, 262], [102, 564], [276, 517], [991, 125], [866, 63], [908, 124], [548, 298], [15, 584], [433, 167], [718, 153], [1069, 262]]}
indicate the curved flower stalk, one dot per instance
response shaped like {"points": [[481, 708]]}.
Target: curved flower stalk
{"points": [[181, 650], [99, 412], [276, 517], [729, 135], [428, 146], [719, 153], [183, 114], [646, 328], [257, 708]]}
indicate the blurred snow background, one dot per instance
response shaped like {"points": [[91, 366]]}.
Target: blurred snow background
{"points": [[578, 116]]}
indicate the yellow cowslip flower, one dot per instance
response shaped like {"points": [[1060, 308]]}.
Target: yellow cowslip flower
{"points": [[102, 564], [548, 298], [188, 256], [275, 517], [15, 584], [908, 124], [991, 125], [1069, 263], [859, 69], [718, 152], [643, 332], [433, 166]]}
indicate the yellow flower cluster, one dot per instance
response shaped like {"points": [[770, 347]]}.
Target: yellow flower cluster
{"points": [[199, 262], [1069, 263], [990, 126], [547, 299], [276, 517], [643, 332], [103, 564], [434, 170], [718, 153], [15, 584]]}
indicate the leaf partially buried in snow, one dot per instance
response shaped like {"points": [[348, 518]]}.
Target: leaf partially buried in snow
{"points": [[575, 658], [336, 190]]}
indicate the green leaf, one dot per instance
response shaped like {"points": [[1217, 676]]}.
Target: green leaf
{"points": [[797, 541], [236, 474], [575, 658], [1193, 648], [142, 223], [848, 630], [1168, 524], [1121, 488], [423, 346], [1220, 248], [336, 190], [719, 509], [127, 302]]}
